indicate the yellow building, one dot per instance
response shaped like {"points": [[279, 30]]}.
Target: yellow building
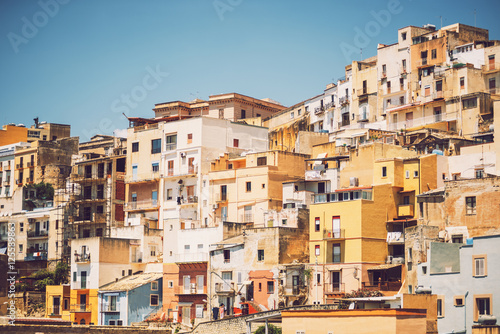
{"points": [[57, 301]]}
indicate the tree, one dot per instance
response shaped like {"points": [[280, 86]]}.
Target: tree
{"points": [[271, 329]]}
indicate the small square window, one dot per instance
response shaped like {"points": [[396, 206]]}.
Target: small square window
{"points": [[154, 286], [170, 284], [459, 300], [415, 173], [154, 300], [135, 147], [236, 143]]}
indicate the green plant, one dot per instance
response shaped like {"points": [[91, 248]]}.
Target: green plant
{"points": [[271, 329], [345, 302], [308, 273]]}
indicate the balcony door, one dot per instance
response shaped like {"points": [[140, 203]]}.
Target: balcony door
{"points": [[336, 227], [336, 280], [56, 303]]}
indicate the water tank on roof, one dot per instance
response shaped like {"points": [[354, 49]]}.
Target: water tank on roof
{"points": [[21, 125]]}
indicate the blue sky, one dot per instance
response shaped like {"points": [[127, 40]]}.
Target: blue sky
{"points": [[84, 63]]}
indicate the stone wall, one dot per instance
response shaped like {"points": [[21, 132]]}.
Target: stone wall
{"points": [[56, 329]]}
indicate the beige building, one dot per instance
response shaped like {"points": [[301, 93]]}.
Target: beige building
{"points": [[244, 188]]}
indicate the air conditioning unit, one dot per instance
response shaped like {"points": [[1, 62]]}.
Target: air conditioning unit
{"points": [[183, 154], [353, 181]]}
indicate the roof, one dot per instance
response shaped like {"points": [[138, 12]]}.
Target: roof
{"points": [[433, 192], [131, 282]]}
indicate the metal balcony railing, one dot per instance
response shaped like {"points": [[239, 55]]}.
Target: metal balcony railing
{"points": [[334, 234], [332, 288], [30, 164], [111, 307], [74, 308], [141, 205], [344, 100], [382, 286], [36, 256], [38, 234], [19, 166], [82, 257], [171, 146]]}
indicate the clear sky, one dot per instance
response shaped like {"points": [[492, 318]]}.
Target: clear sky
{"points": [[85, 62]]}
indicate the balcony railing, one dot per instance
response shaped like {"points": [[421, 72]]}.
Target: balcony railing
{"points": [[437, 95], [329, 105], [36, 256], [171, 146], [362, 91], [334, 234], [422, 62], [19, 166], [382, 286], [145, 127], [143, 177], [110, 307], [422, 121], [246, 218], [141, 205], [75, 308], [494, 90], [294, 290], [224, 287], [405, 210], [319, 110], [29, 180], [395, 238], [334, 288], [491, 67], [82, 257], [7, 167], [30, 164], [38, 234], [342, 196], [54, 311], [344, 100]]}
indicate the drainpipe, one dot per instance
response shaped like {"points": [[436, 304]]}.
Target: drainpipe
{"points": [[465, 311]]}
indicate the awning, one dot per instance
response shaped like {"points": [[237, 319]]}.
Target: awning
{"points": [[319, 157], [384, 267]]}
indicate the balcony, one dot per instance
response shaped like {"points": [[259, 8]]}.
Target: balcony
{"points": [[143, 177], [54, 311], [36, 256], [294, 290], [29, 180], [333, 234], [77, 308], [170, 147], [4, 236], [145, 127], [422, 62], [19, 182], [494, 90], [329, 105], [7, 167], [19, 166], [30, 164], [362, 91], [420, 121], [334, 288], [82, 257], [99, 218], [246, 218], [491, 67], [190, 257], [38, 234], [405, 210], [342, 196], [141, 205], [6, 182], [382, 286], [344, 100], [395, 238], [319, 110], [224, 287], [192, 289], [111, 307], [437, 95], [362, 117]]}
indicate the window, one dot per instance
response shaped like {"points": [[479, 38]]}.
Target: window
{"points": [[110, 322], [21, 227], [479, 173], [457, 239], [260, 255], [433, 53], [227, 256], [482, 305], [458, 300], [384, 171], [415, 173], [388, 87], [469, 103], [170, 284], [336, 253], [20, 248], [318, 279], [74, 276], [316, 224], [153, 300], [155, 167], [169, 194], [479, 265], [270, 286], [170, 167], [261, 161], [221, 113], [154, 285], [410, 289], [462, 82], [190, 138], [407, 174], [291, 114], [135, 147], [99, 209], [236, 143], [384, 70], [403, 36], [155, 146], [427, 90], [170, 142], [406, 200], [316, 250], [440, 306], [404, 65], [470, 205], [243, 113], [249, 186], [119, 322]]}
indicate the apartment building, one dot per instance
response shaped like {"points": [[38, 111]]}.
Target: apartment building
{"points": [[244, 188], [12, 133], [98, 188]]}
